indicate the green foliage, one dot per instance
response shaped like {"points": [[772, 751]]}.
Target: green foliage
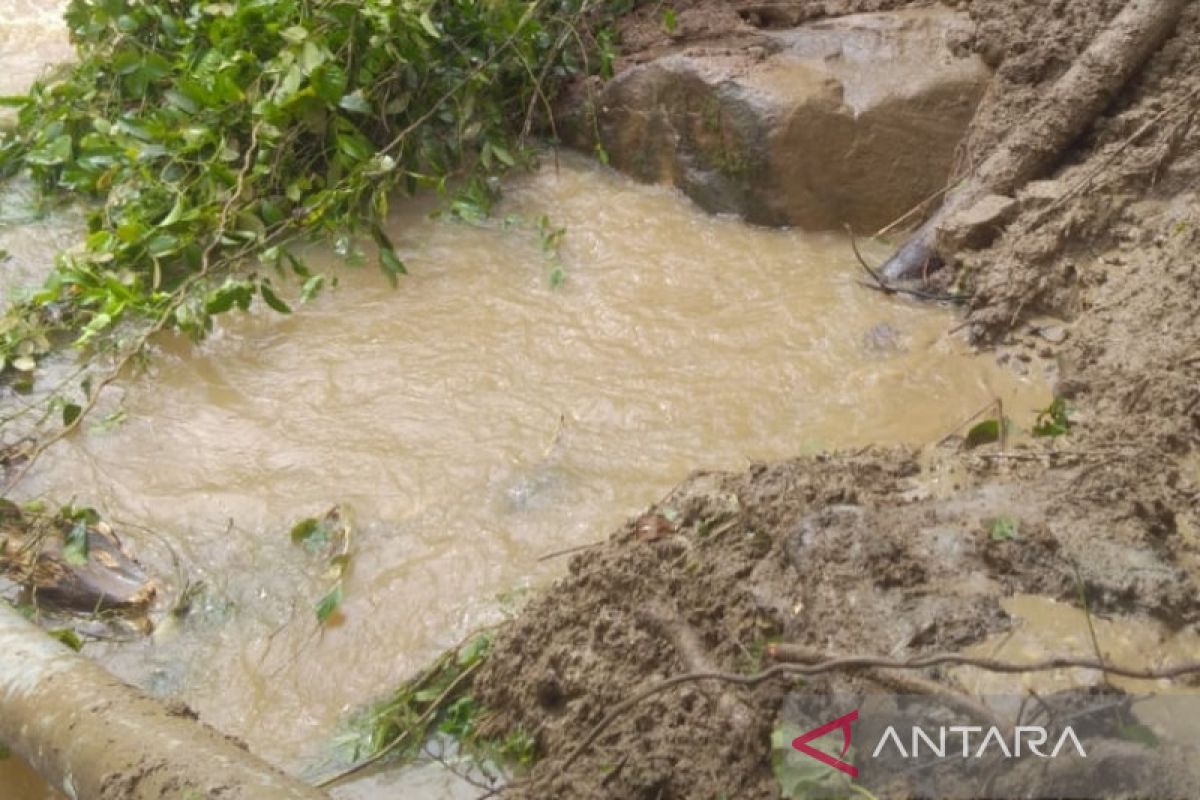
{"points": [[670, 20], [552, 237], [75, 545], [985, 432], [329, 604], [438, 701], [68, 637], [211, 138], [330, 536], [4, 752], [1053, 420]]}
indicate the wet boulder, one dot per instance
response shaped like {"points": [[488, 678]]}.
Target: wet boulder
{"points": [[852, 120]]}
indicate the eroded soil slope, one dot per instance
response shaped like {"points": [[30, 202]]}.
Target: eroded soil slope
{"points": [[887, 552]]}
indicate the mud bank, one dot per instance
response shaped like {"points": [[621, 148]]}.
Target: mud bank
{"points": [[888, 551]]}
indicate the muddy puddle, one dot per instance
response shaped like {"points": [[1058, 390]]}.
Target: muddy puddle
{"points": [[1043, 628], [468, 423]]}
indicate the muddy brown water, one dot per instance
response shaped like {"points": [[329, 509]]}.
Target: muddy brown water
{"points": [[469, 422], [476, 419]]}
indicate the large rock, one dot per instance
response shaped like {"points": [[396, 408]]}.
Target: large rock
{"points": [[852, 120]]}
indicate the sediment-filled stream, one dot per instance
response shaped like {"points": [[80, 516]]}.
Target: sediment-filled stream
{"points": [[477, 418], [468, 422]]}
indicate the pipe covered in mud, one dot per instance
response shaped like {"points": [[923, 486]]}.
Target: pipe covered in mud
{"points": [[98, 738]]}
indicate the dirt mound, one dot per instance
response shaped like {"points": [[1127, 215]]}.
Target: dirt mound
{"points": [[889, 552]]}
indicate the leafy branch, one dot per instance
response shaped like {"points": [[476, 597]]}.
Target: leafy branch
{"points": [[210, 140]]}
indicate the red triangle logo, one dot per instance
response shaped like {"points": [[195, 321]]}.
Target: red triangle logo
{"points": [[843, 722]]}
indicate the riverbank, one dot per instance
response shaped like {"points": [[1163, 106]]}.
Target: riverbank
{"points": [[894, 552]]}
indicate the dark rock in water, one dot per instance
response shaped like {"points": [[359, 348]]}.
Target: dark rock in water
{"points": [[852, 120]]}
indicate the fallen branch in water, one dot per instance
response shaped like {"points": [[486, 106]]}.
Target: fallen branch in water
{"points": [[880, 285]]}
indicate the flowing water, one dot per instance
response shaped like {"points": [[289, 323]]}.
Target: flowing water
{"points": [[469, 422]]}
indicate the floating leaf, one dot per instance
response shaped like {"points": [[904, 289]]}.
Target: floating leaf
{"points": [[70, 413], [75, 550], [983, 433], [311, 533], [328, 605], [68, 637]]}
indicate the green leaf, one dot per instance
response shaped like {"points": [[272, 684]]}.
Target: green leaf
{"points": [[328, 605], [1004, 529], [311, 288], [475, 650], [557, 277], [983, 433], [669, 20], [392, 266], [4, 752], [56, 151], [68, 637], [294, 34], [329, 82], [272, 299], [310, 533], [356, 102], [75, 550], [504, 155], [1053, 420], [70, 413], [429, 27], [389, 262], [312, 56]]}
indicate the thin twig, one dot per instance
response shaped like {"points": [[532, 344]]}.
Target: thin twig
{"points": [[566, 551], [787, 668]]}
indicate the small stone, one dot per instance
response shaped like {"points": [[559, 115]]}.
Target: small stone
{"points": [[1042, 192], [1055, 334], [976, 226]]}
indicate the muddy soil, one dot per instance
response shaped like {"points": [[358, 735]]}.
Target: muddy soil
{"points": [[888, 551]]}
